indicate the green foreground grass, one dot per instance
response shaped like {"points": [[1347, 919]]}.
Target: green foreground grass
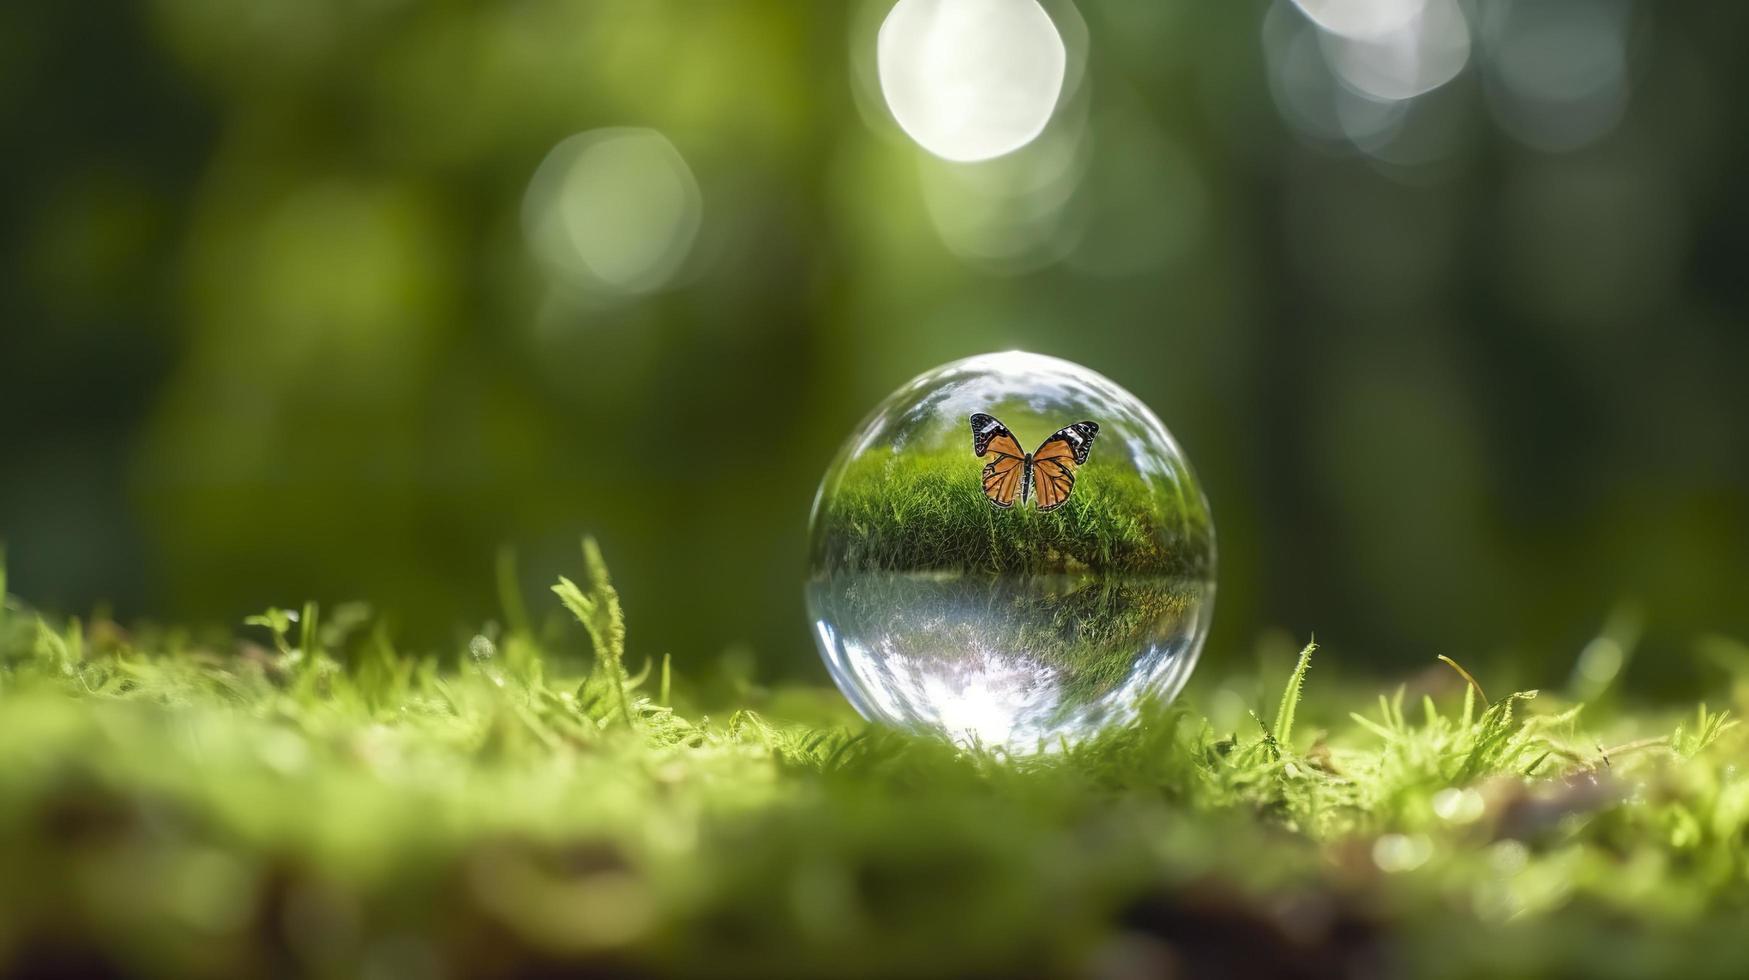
{"points": [[324, 804]]}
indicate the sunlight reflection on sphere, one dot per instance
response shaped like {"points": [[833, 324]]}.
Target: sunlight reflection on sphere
{"points": [[613, 211], [971, 79]]}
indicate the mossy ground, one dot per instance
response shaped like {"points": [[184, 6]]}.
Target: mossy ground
{"points": [[323, 803]]}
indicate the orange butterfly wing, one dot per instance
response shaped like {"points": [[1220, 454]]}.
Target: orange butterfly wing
{"points": [[1057, 459], [1004, 476]]}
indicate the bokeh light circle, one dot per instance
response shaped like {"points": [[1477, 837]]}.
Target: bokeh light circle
{"points": [[1361, 19], [613, 211], [971, 79], [1557, 71], [1405, 61]]}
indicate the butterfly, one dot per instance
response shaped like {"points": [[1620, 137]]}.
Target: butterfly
{"points": [[1049, 472]]}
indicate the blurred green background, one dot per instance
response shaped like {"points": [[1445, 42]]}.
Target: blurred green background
{"points": [[286, 314]]}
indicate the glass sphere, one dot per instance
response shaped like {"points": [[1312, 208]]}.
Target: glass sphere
{"points": [[1011, 551]]}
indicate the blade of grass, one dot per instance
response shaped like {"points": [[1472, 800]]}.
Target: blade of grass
{"points": [[307, 631], [1290, 697], [599, 612], [510, 592], [1474, 686]]}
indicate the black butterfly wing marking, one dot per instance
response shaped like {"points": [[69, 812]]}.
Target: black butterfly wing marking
{"points": [[1007, 476], [1052, 468]]}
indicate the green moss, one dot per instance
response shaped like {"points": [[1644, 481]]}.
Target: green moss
{"points": [[313, 800]]}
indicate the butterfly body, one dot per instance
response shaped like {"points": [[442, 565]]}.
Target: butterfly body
{"points": [[1047, 473]]}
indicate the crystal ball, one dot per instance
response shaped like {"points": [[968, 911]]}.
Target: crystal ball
{"points": [[1010, 551]]}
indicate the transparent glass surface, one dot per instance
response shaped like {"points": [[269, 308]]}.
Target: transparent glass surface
{"points": [[1014, 627]]}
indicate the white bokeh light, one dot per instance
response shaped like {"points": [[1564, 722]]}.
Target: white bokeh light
{"points": [[1364, 85], [1361, 19], [613, 211], [1556, 73], [1373, 75], [1309, 95], [971, 79], [1402, 62]]}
